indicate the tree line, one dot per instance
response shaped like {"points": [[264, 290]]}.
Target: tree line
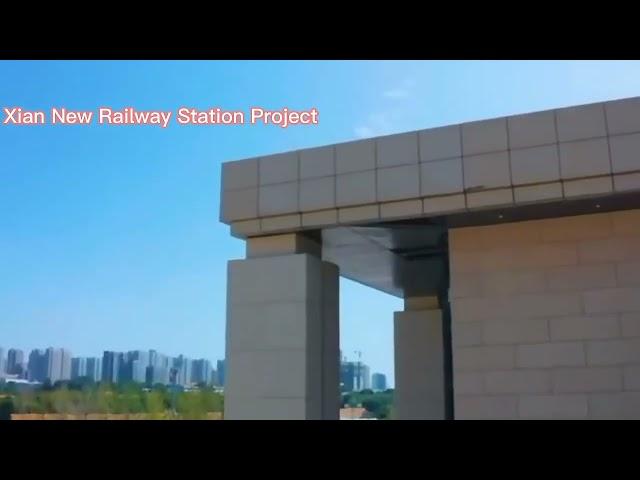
{"points": [[380, 404], [83, 396], [86, 397]]}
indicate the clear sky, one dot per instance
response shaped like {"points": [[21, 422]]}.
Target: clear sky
{"points": [[109, 236]]}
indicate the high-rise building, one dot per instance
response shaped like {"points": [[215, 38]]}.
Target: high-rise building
{"points": [[111, 366], [54, 364], [138, 371], [202, 372], [2, 362], [140, 355], [130, 365], [37, 367], [139, 360], [347, 376], [354, 376], [58, 362], [182, 367], [15, 362], [78, 367], [65, 367], [94, 369], [160, 369], [157, 375], [160, 360], [220, 372], [365, 377], [378, 382]]}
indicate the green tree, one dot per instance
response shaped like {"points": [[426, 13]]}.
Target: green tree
{"points": [[213, 401], [373, 405], [61, 400], [82, 383], [155, 406], [103, 399], [129, 398], [191, 406], [6, 408]]}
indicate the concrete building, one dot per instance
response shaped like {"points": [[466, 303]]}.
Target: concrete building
{"points": [[201, 372], [182, 367], [142, 356], [37, 366], [378, 382], [347, 377], [3, 367], [138, 371], [65, 367], [78, 367], [15, 362], [53, 358], [111, 366], [157, 375], [365, 377], [220, 373], [94, 369], [58, 364], [133, 366], [514, 242], [354, 376]]}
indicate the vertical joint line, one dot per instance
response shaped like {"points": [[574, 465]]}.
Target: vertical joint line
{"points": [[555, 126], [606, 129], [512, 187], [464, 185]]}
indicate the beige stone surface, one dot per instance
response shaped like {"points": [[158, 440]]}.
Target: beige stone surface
{"points": [[546, 318], [627, 182], [444, 204], [586, 151], [403, 209], [358, 214], [282, 336], [320, 218], [419, 363], [538, 193], [280, 223], [491, 198]]}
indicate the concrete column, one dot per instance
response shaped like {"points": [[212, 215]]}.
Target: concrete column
{"points": [[282, 332], [419, 361]]}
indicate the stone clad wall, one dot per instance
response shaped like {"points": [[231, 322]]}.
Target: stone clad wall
{"points": [[546, 318], [554, 155]]}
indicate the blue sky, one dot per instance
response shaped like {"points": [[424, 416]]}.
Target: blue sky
{"points": [[109, 236]]}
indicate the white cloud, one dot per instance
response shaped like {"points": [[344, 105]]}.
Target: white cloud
{"points": [[396, 93], [380, 123], [389, 119], [364, 132], [403, 90]]}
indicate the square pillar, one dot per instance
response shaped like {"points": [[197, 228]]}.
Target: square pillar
{"points": [[419, 361], [282, 333]]}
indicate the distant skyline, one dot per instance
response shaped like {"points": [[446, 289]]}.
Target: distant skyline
{"points": [[110, 236], [6, 347]]}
